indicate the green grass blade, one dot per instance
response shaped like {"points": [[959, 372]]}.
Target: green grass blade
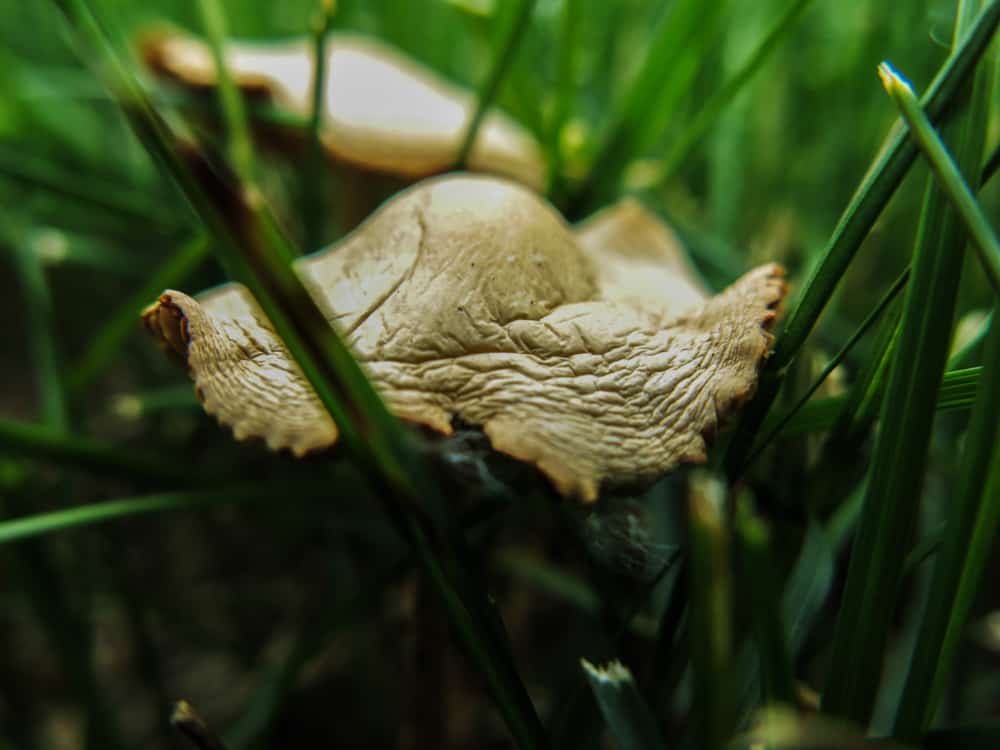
{"points": [[626, 713], [702, 122], [240, 146], [871, 197], [756, 567], [42, 524], [964, 356], [958, 391], [969, 535], [771, 432], [315, 195], [107, 343], [808, 586], [41, 336], [136, 405], [40, 442], [711, 615], [891, 499], [959, 388], [504, 57], [865, 397], [666, 74], [96, 192], [569, 53], [991, 165], [984, 240]]}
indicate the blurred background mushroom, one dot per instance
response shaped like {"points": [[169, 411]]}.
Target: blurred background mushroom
{"points": [[386, 120]]}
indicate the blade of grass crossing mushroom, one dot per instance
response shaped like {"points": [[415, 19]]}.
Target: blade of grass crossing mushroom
{"points": [[504, 56], [240, 146], [894, 483], [979, 229], [257, 253], [626, 713], [314, 185], [710, 620], [702, 122], [867, 203], [970, 532], [753, 546], [107, 343]]}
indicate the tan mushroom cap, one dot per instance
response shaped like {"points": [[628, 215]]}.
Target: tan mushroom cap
{"points": [[384, 112], [594, 355]]}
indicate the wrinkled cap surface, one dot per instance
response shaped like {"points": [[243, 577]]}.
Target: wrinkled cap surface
{"points": [[383, 111], [593, 353]]}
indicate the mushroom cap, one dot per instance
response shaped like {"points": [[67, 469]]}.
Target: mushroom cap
{"points": [[593, 354], [383, 111]]}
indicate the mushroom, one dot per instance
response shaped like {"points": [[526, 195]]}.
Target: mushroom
{"points": [[594, 353], [383, 112]]}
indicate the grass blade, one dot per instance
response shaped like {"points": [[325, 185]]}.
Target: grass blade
{"points": [[958, 391], [891, 499], [702, 122], [240, 146], [626, 713], [107, 343], [41, 336], [968, 538], [711, 626], [569, 54], [505, 53], [40, 442], [18, 529], [871, 197], [808, 586], [838, 358], [947, 173], [666, 74], [314, 192], [96, 192], [753, 544]]}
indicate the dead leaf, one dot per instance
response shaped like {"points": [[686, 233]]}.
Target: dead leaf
{"points": [[384, 112], [593, 354]]}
